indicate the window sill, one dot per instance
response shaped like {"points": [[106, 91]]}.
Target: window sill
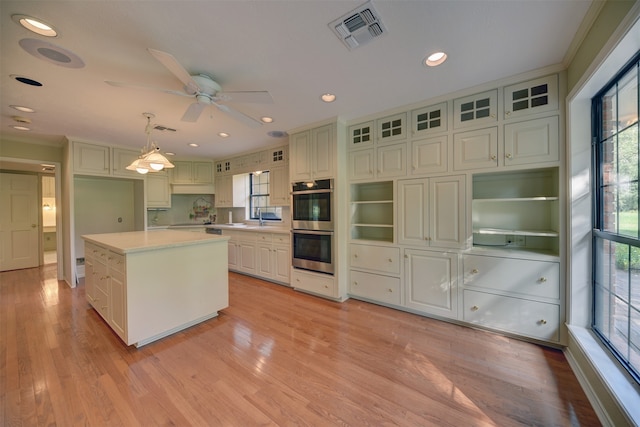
{"points": [[621, 388]]}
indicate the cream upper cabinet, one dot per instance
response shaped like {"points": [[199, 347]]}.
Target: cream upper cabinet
{"points": [[432, 212], [190, 172], [279, 186], [91, 159], [429, 155], [224, 191], [312, 154], [392, 128], [477, 149], [158, 190], [532, 141], [530, 97], [361, 135], [476, 110], [380, 162], [121, 159], [429, 120]]}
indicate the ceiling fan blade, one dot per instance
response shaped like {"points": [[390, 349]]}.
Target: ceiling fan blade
{"points": [[254, 97], [176, 69], [193, 112], [241, 117], [136, 86]]}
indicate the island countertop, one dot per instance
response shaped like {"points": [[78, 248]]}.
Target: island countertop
{"points": [[136, 241]]}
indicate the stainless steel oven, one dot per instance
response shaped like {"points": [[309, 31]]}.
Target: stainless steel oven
{"points": [[312, 205], [313, 250]]}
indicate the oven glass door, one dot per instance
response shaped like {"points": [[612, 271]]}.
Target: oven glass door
{"points": [[313, 250], [312, 210]]}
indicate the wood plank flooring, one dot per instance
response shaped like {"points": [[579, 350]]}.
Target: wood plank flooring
{"points": [[274, 357]]}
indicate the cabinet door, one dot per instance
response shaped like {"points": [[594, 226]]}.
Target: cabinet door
{"points": [[431, 282], [182, 173], [361, 164], [478, 109], [281, 263], [533, 141], [476, 149], [361, 135], [265, 261], [392, 161], [122, 159], [233, 255], [248, 257], [429, 120], [447, 211], [429, 155], [533, 96], [279, 187], [118, 304], [202, 173], [224, 191], [392, 128], [158, 190], [323, 152], [91, 159], [413, 199], [299, 165]]}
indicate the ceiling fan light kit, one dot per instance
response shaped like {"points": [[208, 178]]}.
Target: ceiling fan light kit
{"points": [[151, 160]]}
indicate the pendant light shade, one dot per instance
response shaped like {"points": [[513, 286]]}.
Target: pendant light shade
{"points": [[151, 160]]}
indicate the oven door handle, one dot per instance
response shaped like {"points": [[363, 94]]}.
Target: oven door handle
{"points": [[295, 193], [317, 233]]}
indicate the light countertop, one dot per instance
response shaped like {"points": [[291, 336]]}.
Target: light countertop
{"points": [[137, 241]]}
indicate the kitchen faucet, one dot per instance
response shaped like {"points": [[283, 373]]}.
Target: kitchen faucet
{"points": [[260, 220]]}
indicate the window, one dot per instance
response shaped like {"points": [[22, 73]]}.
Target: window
{"points": [[259, 198], [616, 264]]}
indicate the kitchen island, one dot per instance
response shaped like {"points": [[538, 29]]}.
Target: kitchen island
{"points": [[149, 284]]}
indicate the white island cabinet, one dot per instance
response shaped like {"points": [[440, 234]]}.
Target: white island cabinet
{"points": [[150, 284]]}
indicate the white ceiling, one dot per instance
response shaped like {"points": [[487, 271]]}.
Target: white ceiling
{"points": [[284, 47]]}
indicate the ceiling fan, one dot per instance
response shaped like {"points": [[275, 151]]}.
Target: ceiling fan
{"points": [[205, 92]]}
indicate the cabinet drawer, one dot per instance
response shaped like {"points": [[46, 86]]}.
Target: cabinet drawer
{"points": [[116, 262], [526, 277], [263, 237], [281, 239], [247, 236], [375, 287], [316, 283], [101, 278], [101, 304], [377, 258], [91, 250], [523, 317]]}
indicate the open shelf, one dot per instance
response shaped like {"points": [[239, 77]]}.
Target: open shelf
{"points": [[372, 211]]}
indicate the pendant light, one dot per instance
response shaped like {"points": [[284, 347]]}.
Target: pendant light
{"points": [[151, 160]]}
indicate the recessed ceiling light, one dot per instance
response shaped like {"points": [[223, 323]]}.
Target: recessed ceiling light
{"points": [[328, 97], [23, 108], [20, 127], [36, 25], [434, 59], [223, 134], [193, 144], [26, 80], [266, 119]]}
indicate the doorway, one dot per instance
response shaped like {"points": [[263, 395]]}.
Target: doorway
{"points": [[49, 229]]}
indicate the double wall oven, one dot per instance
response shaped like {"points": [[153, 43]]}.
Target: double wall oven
{"points": [[312, 205]]}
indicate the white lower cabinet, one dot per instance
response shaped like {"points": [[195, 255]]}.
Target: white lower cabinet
{"points": [[519, 296], [431, 282], [317, 283], [375, 287], [260, 254]]}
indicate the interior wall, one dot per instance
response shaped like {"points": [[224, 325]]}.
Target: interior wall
{"points": [[102, 205]]}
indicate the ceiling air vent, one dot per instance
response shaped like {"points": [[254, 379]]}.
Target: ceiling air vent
{"points": [[359, 26]]}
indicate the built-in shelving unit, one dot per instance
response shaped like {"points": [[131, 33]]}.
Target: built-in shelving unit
{"points": [[517, 210], [372, 211]]}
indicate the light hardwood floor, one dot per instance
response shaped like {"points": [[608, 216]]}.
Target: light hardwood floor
{"points": [[274, 357]]}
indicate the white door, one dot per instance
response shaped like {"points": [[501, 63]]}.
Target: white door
{"points": [[18, 221]]}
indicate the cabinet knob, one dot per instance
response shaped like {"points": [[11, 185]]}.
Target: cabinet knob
{"points": [[508, 156], [326, 286], [355, 255], [390, 290], [543, 322], [493, 157], [390, 260], [475, 308], [543, 279], [355, 283], [427, 238], [297, 279], [406, 256], [474, 271], [508, 113]]}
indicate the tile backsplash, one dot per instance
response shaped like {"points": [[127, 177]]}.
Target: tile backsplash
{"points": [[185, 209]]}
